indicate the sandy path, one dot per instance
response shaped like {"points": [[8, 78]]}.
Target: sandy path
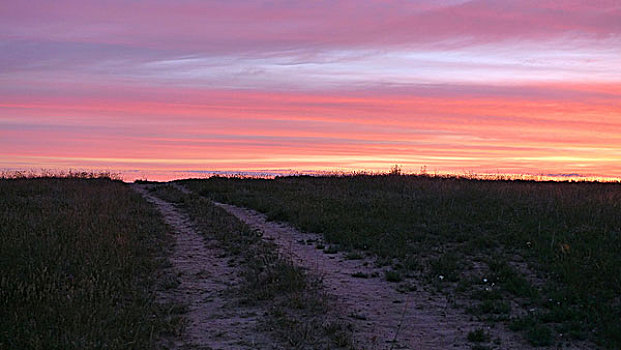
{"points": [[383, 317], [214, 321]]}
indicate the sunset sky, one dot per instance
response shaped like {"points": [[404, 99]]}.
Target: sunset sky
{"points": [[530, 86]]}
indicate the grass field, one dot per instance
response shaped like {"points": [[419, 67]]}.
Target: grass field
{"points": [[77, 260], [78, 256], [542, 257]]}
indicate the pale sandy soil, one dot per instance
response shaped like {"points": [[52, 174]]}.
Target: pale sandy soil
{"points": [[214, 320], [384, 318]]}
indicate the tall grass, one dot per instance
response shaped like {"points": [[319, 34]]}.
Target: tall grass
{"points": [[77, 258], [568, 232]]}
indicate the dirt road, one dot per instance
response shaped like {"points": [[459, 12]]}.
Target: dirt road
{"points": [[204, 283], [384, 317]]}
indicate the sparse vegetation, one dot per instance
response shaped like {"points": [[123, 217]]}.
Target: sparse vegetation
{"points": [[353, 255], [331, 249], [298, 308], [360, 274], [478, 335], [545, 246], [393, 276], [540, 335], [77, 262]]}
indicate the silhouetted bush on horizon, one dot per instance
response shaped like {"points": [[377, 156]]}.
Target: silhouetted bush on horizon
{"points": [[59, 174]]}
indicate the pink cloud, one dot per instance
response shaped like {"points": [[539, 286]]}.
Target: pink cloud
{"points": [[260, 26], [318, 84], [217, 128]]}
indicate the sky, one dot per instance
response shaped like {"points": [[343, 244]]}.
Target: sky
{"points": [[154, 87]]}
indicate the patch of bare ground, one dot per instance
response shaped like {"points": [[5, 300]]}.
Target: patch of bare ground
{"points": [[388, 312], [239, 291], [199, 282]]}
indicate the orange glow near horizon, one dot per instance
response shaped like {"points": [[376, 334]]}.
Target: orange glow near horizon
{"points": [[471, 95]]}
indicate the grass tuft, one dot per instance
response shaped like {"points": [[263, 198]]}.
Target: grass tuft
{"points": [[478, 335], [393, 276]]}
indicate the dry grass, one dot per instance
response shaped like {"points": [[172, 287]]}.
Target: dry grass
{"points": [[545, 246], [77, 258]]}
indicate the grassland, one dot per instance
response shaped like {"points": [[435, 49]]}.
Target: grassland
{"points": [[542, 257], [77, 260]]}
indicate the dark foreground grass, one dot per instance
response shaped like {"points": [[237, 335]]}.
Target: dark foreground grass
{"points": [[77, 258], [554, 249], [297, 308]]}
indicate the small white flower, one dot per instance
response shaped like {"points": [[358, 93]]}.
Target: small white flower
{"points": [[485, 280], [441, 277]]}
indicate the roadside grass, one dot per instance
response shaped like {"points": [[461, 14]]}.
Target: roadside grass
{"points": [[298, 309], [393, 276], [478, 335], [551, 250], [78, 257]]}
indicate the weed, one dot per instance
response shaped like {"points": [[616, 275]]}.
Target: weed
{"points": [[510, 280], [411, 262], [487, 294], [495, 307], [168, 281], [537, 334], [167, 193], [540, 335], [360, 275], [407, 287], [358, 316], [447, 265], [393, 276], [523, 323], [353, 255], [478, 335], [331, 249], [480, 347]]}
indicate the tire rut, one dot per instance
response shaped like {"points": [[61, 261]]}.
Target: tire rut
{"points": [[205, 279], [384, 318]]}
